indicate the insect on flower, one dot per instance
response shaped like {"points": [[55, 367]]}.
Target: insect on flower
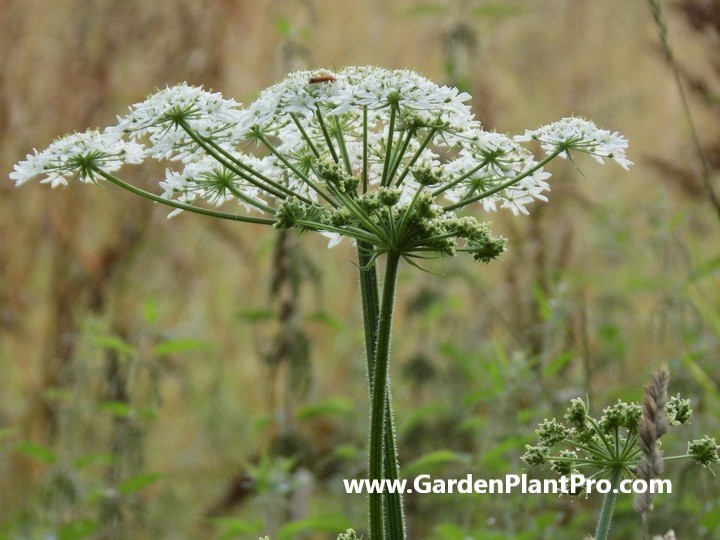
{"points": [[322, 79]]}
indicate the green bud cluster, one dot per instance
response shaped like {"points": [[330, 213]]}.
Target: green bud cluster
{"points": [[427, 176], [678, 410], [620, 415], [334, 175], [292, 211], [704, 451], [608, 442]]}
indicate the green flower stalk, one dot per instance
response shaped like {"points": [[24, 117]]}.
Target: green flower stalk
{"points": [[387, 159]]}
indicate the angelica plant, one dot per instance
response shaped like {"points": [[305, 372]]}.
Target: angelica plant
{"points": [[389, 160]]}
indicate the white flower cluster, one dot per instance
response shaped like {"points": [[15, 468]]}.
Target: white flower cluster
{"points": [[77, 155], [578, 134], [381, 128]]}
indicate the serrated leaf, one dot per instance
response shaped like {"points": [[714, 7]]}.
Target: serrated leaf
{"points": [[176, 346], [36, 451], [138, 482]]}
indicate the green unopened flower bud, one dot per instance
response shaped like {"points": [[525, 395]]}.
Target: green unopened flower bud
{"points": [[551, 432], [564, 466], [341, 217], [289, 213], [585, 435], [388, 196], [620, 415], [330, 171], [425, 208], [577, 413], [704, 451], [489, 250], [348, 535], [535, 455], [369, 202], [678, 410], [427, 176]]}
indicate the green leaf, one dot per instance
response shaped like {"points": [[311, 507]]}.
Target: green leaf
{"points": [[117, 408], [702, 377], [711, 520], [556, 365], [495, 457], [256, 315], [331, 524], [114, 343], [346, 451], [283, 26], [233, 527], [138, 482], [446, 531], [150, 311], [92, 459], [433, 462], [36, 451], [330, 406], [176, 346], [76, 530], [323, 317]]}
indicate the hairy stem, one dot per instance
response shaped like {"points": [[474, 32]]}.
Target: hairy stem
{"points": [[393, 505], [379, 401], [606, 512]]}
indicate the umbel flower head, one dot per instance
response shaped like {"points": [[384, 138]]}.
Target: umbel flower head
{"points": [[387, 158]]}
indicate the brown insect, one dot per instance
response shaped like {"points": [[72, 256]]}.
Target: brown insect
{"points": [[322, 79]]}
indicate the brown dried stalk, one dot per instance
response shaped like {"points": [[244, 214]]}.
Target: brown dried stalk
{"points": [[652, 426]]}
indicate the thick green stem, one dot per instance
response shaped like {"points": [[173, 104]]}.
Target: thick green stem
{"points": [[393, 506], [379, 400], [606, 512]]}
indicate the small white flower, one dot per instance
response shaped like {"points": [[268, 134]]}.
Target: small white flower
{"points": [[159, 118], [77, 155], [574, 133]]}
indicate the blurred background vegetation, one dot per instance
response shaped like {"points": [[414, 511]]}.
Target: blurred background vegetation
{"points": [[196, 379]]}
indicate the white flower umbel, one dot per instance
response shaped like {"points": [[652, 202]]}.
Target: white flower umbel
{"points": [[385, 157], [162, 115], [78, 155], [583, 136]]}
